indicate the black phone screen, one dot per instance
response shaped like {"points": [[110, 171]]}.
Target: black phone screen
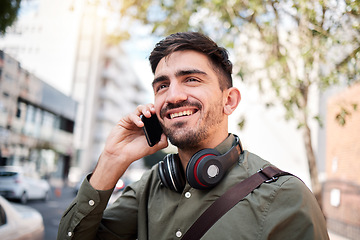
{"points": [[152, 129]]}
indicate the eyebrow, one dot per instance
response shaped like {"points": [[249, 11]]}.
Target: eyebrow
{"points": [[179, 73]]}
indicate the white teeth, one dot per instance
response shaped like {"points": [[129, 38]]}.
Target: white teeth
{"points": [[179, 114]]}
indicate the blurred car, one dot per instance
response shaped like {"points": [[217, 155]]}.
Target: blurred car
{"points": [[120, 185], [20, 222], [17, 184]]}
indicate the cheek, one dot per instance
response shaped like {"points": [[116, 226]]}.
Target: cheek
{"points": [[158, 104]]}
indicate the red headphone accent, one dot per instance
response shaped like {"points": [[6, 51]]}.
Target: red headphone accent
{"points": [[196, 167]]}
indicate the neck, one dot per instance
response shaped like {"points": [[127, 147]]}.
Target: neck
{"points": [[186, 154]]}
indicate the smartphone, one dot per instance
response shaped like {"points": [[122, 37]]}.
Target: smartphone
{"points": [[152, 129]]}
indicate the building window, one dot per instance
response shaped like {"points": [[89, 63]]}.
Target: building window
{"points": [[335, 197], [66, 125]]}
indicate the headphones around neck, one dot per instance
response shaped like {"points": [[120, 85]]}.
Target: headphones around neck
{"points": [[205, 169]]}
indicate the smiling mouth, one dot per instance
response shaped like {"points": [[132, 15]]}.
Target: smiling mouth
{"points": [[181, 114]]}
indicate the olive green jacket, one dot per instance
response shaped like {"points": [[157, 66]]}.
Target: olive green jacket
{"points": [[285, 209]]}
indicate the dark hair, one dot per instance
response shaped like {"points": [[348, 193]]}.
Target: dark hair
{"points": [[197, 42]]}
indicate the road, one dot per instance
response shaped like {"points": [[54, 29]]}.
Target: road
{"points": [[53, 209]]}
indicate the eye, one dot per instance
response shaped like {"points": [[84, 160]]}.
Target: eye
{"points": [[160, 87], [192, 79]]}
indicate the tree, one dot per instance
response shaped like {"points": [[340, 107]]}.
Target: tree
{"points": [[8, 13], [301, 44]]}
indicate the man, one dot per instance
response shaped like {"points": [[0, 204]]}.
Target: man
{"points": [[193, 99]]}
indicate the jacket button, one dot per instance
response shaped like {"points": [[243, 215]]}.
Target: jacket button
{"points": [[178, 234], [91, 202]]}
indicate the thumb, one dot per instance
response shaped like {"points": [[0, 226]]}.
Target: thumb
{"points": [[163, 143]]}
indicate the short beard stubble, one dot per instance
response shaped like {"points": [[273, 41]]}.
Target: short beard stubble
{"points": [[190, 138]]}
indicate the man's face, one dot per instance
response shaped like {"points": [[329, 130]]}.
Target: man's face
{"points": [[188, 99]]}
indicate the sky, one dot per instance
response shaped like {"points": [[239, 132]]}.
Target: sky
{"points": [[138, 48]]}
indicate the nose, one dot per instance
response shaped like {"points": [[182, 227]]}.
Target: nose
{"points": [[176, 93]]}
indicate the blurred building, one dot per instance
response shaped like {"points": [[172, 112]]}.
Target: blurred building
{"points": [[36, 130], [44, 39], [341, 198], [104, 84], [64, 42]]}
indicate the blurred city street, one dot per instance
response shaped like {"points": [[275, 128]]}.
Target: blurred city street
{"points": [[53, 209], [70, 70]]}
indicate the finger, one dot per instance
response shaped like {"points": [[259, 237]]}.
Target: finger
{"points": [[139, 110], [163, 143], [134, 118], [151, 108], [146, 110]]}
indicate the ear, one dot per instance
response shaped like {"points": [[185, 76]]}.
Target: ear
{"points": [[232, 99]]}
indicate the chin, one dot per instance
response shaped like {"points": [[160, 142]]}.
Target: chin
{"points": [[184, 138]]}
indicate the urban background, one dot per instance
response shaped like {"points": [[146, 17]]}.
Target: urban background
{"points": [[69, 70]]}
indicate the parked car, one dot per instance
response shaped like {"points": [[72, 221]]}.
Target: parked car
{"points": [[120, 185], [20, 222], [17, 184]]}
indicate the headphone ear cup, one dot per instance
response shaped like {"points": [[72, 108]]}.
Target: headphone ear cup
{"points": [[204, 170], [177, 172], [171, 173], [164, 175]]}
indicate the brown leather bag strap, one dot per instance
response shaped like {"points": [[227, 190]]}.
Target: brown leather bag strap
{"points": [[229, 199]]}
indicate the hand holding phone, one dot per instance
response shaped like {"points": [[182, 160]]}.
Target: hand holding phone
{"points": [[152, 129]]}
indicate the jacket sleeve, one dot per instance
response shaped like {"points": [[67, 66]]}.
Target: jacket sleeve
{"points": [[294, 214], [82, 218]]}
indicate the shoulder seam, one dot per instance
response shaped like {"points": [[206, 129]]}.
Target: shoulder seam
{"points": [[267, 207]]}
